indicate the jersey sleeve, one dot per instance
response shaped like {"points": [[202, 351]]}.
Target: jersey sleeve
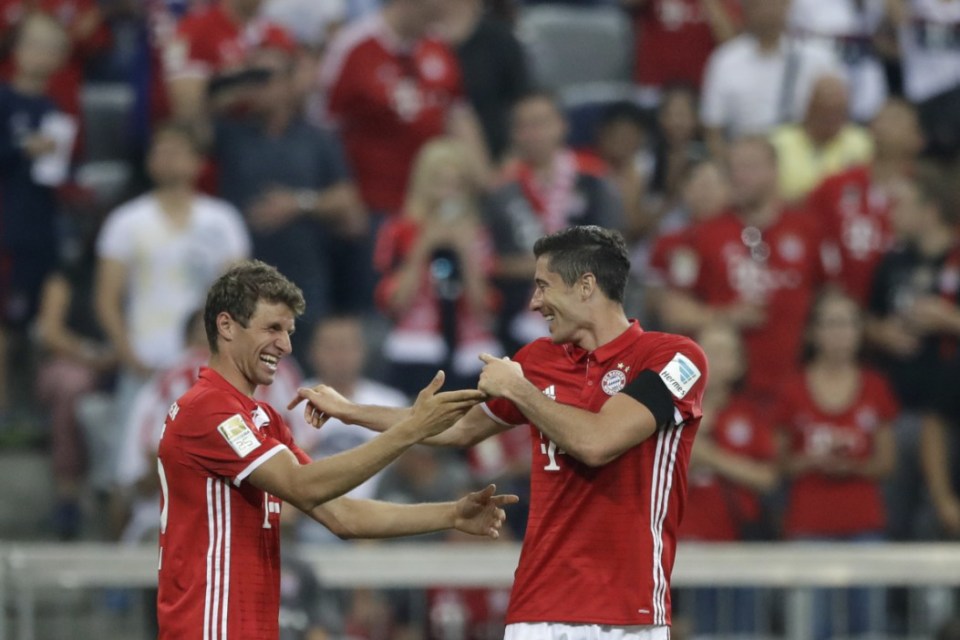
{"points": [[502, 410], [114, 239], [681, 366], [229, 445]]}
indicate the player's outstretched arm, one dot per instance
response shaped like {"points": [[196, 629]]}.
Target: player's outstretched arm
{"points": [[479, 513], [308, 486], [621, 424]]}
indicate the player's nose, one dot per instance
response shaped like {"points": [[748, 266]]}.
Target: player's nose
{"points": [[284, 344], [537, 300]]}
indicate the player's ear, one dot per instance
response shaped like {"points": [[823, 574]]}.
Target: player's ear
{"points": [[588, 282], [225, 325]]}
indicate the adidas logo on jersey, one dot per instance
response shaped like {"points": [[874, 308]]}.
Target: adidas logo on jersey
{"points": [[551, 392]]}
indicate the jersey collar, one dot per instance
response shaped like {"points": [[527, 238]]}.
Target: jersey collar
{"points": [[218, 381], [610, 350]]}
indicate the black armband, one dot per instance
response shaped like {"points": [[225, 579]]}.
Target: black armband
{"points": [[650, 391]]}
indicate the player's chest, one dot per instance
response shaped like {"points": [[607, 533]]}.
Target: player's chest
{"points": [[586, 384]]}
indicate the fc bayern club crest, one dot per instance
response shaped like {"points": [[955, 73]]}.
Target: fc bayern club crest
{"points": [[613, 382]]}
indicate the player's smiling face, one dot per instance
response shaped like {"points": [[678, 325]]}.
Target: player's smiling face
{"points": [[258, 347], [557, 302]]}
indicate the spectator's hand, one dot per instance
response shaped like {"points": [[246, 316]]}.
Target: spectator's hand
{"points": [[435, 412], [480, 513], [36, 145], [274, 209], [893, 336], [323, 403], [948, 513], [932, 314], [744, 315], [499, 375]]}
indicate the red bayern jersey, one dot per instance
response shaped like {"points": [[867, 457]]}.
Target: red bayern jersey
{"points": [[717, 508], [784, 283], [209, 42], [674, 40], [388, 99], [220, 535], [823, 505], [600, 541], [855, 216], [672, 260]]}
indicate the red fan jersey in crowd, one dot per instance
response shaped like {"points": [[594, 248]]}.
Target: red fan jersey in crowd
{"points": [[718, 509], [88, 35], [600, 541], [823, 505], [387, 99], [673, 41], [210, 42], [219, 535], [672, 260], [855, 217], [779, 268]]}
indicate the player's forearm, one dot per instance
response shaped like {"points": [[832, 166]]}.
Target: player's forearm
{"points": [[348, 518], [563, 424], [374, 417]]}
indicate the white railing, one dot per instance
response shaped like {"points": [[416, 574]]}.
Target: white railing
{"points": [[28, 569]]}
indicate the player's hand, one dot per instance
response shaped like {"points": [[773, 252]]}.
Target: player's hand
{"points": [[274, 209], [480, 513], [323, 403], [499, 375], [435, 412]]}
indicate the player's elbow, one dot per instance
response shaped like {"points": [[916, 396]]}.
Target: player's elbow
{"points": [[595, 455]]}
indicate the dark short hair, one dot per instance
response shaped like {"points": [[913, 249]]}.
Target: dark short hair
{"points": [[238, 291], [624, 111], [576, 251]]}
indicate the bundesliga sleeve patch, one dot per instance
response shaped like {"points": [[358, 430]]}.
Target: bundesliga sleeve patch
{"points": [[679, 375], [238, 435]]}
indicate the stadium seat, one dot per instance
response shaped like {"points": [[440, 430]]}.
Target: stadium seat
{"points": [[570, 45]]}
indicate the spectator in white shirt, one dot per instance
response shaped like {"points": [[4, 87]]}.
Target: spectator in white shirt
{"points": [[761, 78]]}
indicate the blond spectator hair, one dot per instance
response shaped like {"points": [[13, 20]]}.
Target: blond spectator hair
{"points": [[439, 153]]}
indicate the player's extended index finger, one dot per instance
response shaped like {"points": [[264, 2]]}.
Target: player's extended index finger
{"points": [[462, 395], [505, 499], [297, 399]]}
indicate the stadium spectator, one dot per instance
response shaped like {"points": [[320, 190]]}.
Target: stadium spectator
{"points": [[547, 187], [674, 38], [136, 470], [290, 180], [679, 143], [825, 142], [930, 51], [732, 465], [759, 79], [435, 260], [156, 256], [614, 475], [914, 322], [390, 88], [849, 29], [75, 360], [756, 266], [854, 206], [311, 24], [838, 448], [338, 352], [940, 451], [28, 202], [88, 34], [206, 63], [493, 64]]}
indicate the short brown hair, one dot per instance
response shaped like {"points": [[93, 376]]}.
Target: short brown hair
{"points": [[574, 251], [238, 291]]}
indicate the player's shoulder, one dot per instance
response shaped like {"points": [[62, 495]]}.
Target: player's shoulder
{"points": [[202, 406], [650, 342]]}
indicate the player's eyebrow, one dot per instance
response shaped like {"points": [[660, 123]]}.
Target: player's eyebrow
{"points": [[540, 282]]}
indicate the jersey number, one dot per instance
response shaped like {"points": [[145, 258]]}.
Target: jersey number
{"points": [[164, 493], [549, 447]]}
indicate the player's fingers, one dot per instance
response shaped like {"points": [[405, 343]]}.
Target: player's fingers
{"points": [[486, 358], [505, 499], [297, 399], [484, 494], [462, 395], [434, 385]]}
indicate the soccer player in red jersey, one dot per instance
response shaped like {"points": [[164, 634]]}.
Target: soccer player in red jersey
{"points": [[227, 462], [613, 411]]}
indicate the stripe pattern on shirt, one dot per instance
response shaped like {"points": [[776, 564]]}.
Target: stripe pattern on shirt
{"points": [[668, 441], [217, 595]]}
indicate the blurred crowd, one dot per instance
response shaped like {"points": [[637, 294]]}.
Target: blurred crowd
{"points": [[785, 172]]}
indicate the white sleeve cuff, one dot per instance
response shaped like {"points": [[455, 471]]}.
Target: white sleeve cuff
{"points": [[487, 411], [256, 463]]}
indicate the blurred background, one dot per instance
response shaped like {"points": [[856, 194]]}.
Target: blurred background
{"points": [[786, 176]]}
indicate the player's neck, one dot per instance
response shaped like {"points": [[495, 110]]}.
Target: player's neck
{"points": [[227, 368], [609, 324]]}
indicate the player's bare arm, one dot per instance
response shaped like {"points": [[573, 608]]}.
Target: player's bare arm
{"points": [[479, 513], [324, 403], [621, 424], [308, 486]]}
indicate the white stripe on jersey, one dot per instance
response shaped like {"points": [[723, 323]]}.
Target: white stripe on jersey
{"points": [[217, 594], [226, 556], [210, 534], [217, 576], [668, 441]]}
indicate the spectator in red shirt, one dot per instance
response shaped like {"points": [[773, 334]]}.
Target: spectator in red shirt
{"points": [[207, 63], [732, 463], [435, 259], [390, 88], [854, 207], [674, 38], [839, 444], [88, 33], [756, 266]]}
